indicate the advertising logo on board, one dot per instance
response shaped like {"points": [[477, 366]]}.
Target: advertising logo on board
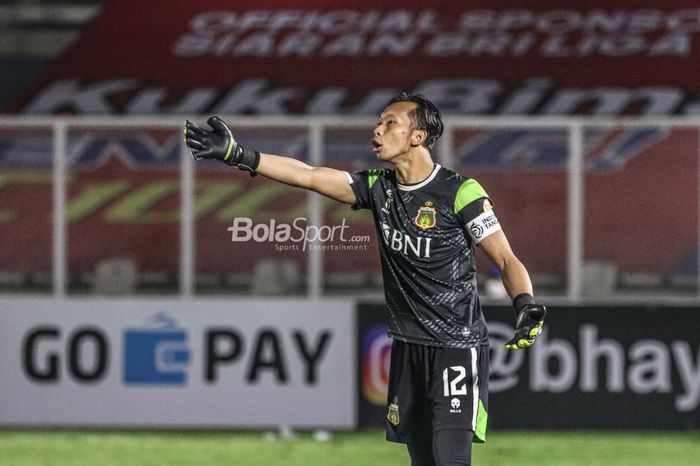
{"points": [[157, 354]]}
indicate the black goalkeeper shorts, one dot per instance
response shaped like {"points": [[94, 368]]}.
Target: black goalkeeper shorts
{"points": [[432, 389]]}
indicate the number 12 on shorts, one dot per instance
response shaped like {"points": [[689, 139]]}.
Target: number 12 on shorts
{"points": [[452, 386]]}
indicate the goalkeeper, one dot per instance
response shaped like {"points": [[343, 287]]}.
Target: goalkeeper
{"points": [[429, 220]]}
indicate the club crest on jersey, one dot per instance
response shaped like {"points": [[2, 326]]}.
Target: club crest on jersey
{"points": [[426, 217]]}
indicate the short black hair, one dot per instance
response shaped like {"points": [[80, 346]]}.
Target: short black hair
{"points": [[425, 116]]}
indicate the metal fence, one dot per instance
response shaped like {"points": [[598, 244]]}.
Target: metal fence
{"points": [[595, 208]]}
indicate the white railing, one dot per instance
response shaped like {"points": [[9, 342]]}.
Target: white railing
{"points": [[316, 127]]}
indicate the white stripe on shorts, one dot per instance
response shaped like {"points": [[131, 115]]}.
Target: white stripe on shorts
{"points": [[475, 388]]}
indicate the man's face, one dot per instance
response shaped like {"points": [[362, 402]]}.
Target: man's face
{"points": [[392, 136]]}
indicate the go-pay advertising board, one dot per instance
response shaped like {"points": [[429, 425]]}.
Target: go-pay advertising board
{"points": [[184, 364]]}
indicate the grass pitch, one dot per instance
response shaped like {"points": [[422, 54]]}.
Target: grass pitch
{"points": [[127, 448]]}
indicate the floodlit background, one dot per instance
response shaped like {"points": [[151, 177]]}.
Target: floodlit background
{"points": [[140, 290]]}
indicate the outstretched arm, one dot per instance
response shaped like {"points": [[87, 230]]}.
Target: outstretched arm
{"points": [[219, 144], [327, 181]]}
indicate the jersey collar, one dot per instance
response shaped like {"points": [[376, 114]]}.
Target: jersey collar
{"points": [[413, 187]]}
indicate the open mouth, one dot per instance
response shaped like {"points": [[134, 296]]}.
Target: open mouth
{"points": [[376, 145]]}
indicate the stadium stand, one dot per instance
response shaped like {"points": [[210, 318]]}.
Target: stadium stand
{"points": [[33, 33]]}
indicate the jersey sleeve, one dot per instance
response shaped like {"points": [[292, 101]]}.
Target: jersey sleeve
{"points": [[361, 183], [474, 209]]}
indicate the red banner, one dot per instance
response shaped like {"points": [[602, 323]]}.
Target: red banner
{"points": [[311, 57]]}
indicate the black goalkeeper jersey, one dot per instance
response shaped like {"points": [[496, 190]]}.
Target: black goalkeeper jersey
{"points": [[427, 232]]}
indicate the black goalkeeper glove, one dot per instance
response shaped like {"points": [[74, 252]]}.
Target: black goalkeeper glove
{"points": [[529, 319], [220, 145]]}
